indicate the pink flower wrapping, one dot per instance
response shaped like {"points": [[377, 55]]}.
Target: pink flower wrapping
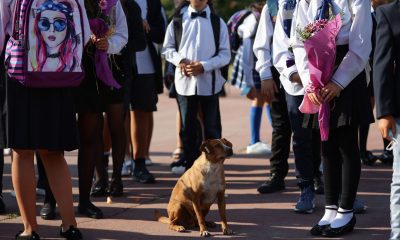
{"points": [[321, 53]]}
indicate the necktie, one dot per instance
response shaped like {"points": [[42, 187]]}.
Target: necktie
{"points": [[202, 14]]}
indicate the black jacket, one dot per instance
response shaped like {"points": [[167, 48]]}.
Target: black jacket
{"points": [[387, 60]]}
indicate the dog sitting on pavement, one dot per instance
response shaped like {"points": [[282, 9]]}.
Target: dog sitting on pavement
{"points": [[198, 188]]}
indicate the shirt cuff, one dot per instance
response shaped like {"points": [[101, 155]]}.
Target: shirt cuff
{"points": [[206, 66], [265, 74], [287, 72], [338, 83], [176, 60]]}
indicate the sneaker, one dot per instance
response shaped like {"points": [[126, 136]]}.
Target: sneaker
{"points": [[40, 192], [143, 176], [148, 162], [319, 185], [306, 201], [274, 184], [2, 205], [178, 170], [258, 148], [359, 207], [367, 158], [127, 167]]}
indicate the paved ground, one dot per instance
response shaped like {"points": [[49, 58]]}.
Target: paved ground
{"points": [[251, 215]]}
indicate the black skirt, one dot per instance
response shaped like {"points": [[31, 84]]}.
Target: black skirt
{"points": [[40, 118], [352, 107]]}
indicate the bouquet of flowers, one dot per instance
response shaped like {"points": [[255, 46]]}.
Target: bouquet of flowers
{"points": [[319, 40], [100, 28]]}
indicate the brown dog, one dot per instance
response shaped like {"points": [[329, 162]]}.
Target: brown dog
{"points": [[198, 188]]}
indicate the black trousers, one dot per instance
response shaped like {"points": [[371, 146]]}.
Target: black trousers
{"points": [[1, 170], [188, 108], [281, 136], [342, 167]]}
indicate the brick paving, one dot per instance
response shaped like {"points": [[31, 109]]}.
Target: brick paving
{"points": [[251, 215]]}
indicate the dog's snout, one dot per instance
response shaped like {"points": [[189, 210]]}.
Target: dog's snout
{"points": [[229, 151]]}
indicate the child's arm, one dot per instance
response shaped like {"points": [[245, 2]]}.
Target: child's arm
{"points": [[5, 18], [169, 48], [118, 40], [247, 31], [359, 44], [283, 59], [224, 55], [262, 45]]}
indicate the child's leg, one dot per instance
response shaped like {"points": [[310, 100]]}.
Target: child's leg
{"points": [[255, 119], [23, 176], [60, 184], [268, 113], [115, 114], [211, 117]]}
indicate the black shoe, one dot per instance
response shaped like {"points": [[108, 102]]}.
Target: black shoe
{"points": [[386, 157], [274, 184], [48, 211], [319, 185], [367, 158], [71, 234], [99, 190], [90, 210], [178, 163], [2, 205], [318, 229], [116, 188], [340, 231], [33, 236], [143, 176]]}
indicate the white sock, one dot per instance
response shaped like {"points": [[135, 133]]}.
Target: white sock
{"points": [[330, 214], [342, 218]]}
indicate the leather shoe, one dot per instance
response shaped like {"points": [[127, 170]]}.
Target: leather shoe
{"points": [[90, 211], [318, 229], [116, 188], [340, 231], [99, 190], [72, 233], [319, 185], [386, 157], [274, 184], [33, 236], [48, 211], [367, 158]]}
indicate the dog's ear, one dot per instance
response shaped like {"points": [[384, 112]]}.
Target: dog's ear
{"points": [[227, 143], [206, 147]]}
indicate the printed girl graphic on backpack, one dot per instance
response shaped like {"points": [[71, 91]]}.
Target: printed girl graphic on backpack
{"points": [[46, 47], [56, 37]]}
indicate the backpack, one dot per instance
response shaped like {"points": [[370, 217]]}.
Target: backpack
{"points": [[216, 26], [233, 24], [46, 46]]}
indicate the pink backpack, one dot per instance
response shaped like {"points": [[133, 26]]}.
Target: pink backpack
{"points": [[46, 46]]}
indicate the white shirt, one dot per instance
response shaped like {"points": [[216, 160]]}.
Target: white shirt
{"points": [[281, 55], [355, 31], [247, 30], [119, 38], [197, 44], [143, 6]]}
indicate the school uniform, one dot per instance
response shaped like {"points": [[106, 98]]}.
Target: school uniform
{"points": [[306, 142], [38, 118], [202, 89], [93, 95], [148, 82], [352, 107]]}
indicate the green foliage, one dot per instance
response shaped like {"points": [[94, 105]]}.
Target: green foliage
{"points": [[224, 8]]}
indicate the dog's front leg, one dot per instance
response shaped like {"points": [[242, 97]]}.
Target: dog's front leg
{"points": [[200, 217], [222, 213]]}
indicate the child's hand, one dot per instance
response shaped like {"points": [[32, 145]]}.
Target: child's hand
{"points": [[146, 26], [102, 44], [330, 91], [183, 65], [314, 98], [194, 69]]}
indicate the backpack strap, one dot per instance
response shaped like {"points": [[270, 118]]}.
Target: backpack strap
{"points": [[216, 26], [178, 30], [16, 19]]}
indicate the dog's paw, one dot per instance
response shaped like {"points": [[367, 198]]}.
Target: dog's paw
{"points": [[180, 229], [205, 234], [227, 231]]}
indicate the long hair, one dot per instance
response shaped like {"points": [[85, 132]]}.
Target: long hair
{"points": [[185, 3], [67, 50]]}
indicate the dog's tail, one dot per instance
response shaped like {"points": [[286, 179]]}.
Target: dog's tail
{"points": [[161, 218]]}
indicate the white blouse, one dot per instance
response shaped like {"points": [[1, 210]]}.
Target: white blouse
{"points": [[356, 31]]}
